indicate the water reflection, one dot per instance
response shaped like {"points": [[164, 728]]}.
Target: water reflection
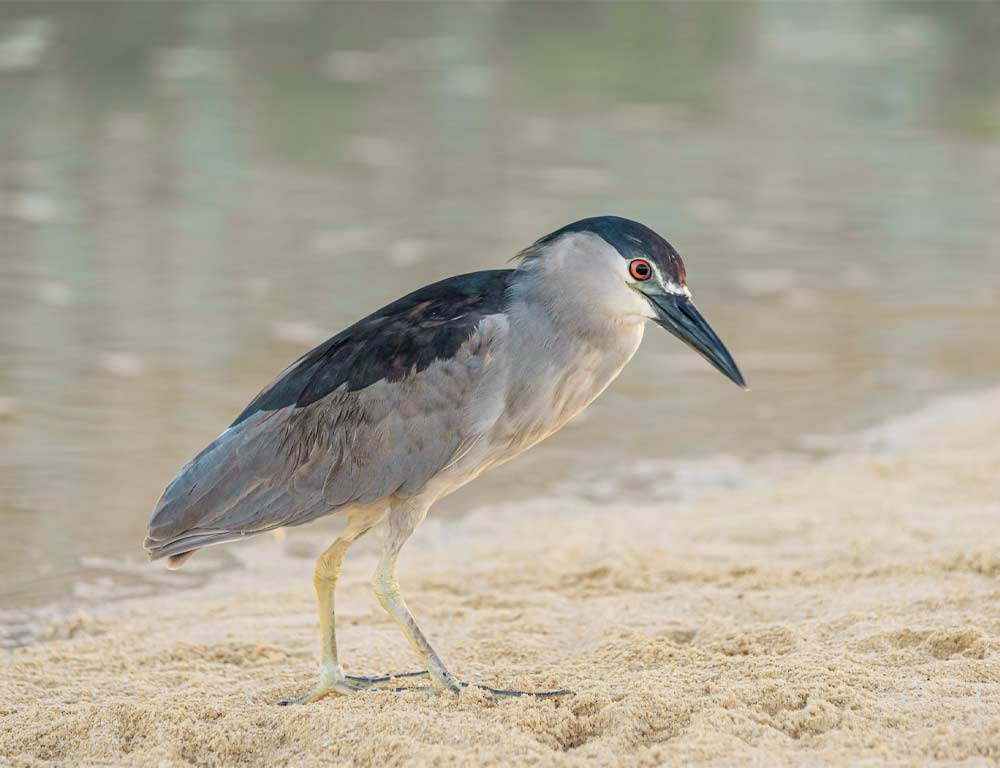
{"points": [[193, 193]]}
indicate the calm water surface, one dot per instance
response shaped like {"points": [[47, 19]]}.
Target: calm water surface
{"points": [[192, 194]]}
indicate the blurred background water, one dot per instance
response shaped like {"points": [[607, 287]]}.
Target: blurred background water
{"points": [[194, 193]]}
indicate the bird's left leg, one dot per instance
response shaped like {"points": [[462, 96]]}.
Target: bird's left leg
{"points": [[399, 524]]}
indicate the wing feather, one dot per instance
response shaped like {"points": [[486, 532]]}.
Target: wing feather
{"points": [[290, 464]]}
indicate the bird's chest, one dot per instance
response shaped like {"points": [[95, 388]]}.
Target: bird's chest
{"points": [[546, 390], [534, 388]]}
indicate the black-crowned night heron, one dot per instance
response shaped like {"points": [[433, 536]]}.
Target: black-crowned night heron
{"points": [[416, 400]]}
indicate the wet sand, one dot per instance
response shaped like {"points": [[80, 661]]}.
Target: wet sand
{"points": [[846, 612]]}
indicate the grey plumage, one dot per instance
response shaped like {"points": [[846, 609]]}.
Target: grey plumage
{"points": [[316, 439], [422, 396]]}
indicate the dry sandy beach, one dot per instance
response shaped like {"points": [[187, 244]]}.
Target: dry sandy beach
{"points": [[844, 612]]}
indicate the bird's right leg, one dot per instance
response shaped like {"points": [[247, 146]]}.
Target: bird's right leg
{"points": [[331, 675], [332, 680], [386, 585], [396, 528]]}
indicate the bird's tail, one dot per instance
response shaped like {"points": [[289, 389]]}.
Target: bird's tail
{"points": [[232, 489], [179, 551], [180, 524]]}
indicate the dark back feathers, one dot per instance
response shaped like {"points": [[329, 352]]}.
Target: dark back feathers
{"points": [[402, 338]]}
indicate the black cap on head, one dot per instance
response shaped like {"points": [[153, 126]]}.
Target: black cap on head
{"points": [[632, 240]]}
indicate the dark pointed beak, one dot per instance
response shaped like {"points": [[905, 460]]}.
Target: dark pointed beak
{"points": [[680, 316]]}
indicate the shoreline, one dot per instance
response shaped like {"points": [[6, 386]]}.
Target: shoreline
{"points": [[833, 612], [115, 577]]}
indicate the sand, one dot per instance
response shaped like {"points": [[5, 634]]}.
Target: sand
{"points": [[844, 611]]}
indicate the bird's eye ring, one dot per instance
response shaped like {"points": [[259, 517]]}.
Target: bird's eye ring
{"points": [[640, 269]]}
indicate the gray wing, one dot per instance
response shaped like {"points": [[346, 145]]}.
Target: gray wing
{"points": [[373, 412], [291, 465]]}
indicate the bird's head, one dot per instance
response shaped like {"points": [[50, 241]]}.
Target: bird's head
{"points": [[625, 271]]}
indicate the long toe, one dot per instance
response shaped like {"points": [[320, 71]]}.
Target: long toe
{"points": [[367, 682], [504, 693], [354, 683]]}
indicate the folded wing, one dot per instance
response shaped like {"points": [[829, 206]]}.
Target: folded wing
{"points": [[375, 411]]}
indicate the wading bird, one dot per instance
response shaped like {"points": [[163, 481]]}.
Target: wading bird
{"points": [[419, 398]]}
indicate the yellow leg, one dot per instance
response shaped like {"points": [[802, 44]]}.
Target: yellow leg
{"points": [[386, 585], [396, 529], [332, 680], [331, 675], [325, 580]]}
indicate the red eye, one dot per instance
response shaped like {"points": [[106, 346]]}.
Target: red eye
{"points": [[640, 269]]}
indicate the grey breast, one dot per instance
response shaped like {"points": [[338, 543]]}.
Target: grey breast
{"points": [[376, 411]]}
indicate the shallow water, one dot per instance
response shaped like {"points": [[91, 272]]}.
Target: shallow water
{"points": [[191, 195]]}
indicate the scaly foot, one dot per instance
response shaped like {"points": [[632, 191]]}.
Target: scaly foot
{"points": [[342, 685], [347, 684], [456, 687]]}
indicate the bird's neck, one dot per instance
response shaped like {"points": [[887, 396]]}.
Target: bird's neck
{"points": [[563, 354], [543, 314]]}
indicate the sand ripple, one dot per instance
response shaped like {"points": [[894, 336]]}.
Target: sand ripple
{"points": [[842, 613]]}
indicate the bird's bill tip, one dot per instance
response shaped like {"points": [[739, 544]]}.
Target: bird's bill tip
{"points": [[679, 316]]}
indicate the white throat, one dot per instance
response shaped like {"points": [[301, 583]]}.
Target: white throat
{"points": [[569, 338]]}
